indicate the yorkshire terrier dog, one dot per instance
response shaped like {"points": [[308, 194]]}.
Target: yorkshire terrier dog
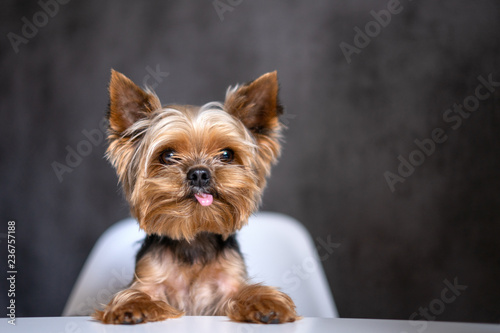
{"points": [[193, 176]]}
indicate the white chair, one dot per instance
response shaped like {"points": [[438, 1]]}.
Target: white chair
{"points": [[277, 249]]}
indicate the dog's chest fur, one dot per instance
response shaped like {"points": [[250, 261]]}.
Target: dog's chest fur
{"points": [[197, 277]]}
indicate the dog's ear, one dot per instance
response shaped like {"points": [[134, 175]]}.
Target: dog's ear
{"points": [[128, 103], [256, 104]]}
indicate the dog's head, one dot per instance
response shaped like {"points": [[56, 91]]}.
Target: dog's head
{"points": [[187, 169]]}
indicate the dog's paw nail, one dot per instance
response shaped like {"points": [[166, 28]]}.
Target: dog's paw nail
{"points": [[264, 319]]}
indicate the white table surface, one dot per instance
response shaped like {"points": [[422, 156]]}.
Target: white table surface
{"points": [[223, 325]]}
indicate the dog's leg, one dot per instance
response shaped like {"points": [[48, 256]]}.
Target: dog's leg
{"points": [[147, 298], [261, 304], [132, 306]]}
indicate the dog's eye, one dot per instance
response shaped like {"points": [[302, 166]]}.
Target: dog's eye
{"points": [[167, 157], [226, 155]]}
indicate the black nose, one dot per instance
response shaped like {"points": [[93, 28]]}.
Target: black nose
{"points": [[199, 177]]}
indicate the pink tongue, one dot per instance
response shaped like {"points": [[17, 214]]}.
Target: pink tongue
{"points": [[204, 199]]}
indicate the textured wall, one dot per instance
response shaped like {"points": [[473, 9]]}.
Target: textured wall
{"points": [[354, 103]]}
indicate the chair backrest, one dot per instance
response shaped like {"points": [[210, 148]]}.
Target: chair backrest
{"points": [[277, 249]]}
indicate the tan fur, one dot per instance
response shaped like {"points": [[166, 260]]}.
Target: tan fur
{"points": [[161, 198], [154, 191], [261, 304]]}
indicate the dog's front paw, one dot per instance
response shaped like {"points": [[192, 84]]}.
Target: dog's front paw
{"points": [[136, 310], [261, 304]]}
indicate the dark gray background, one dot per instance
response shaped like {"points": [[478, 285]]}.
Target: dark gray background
{"points": [[348, 123]]}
